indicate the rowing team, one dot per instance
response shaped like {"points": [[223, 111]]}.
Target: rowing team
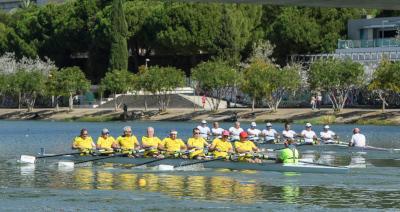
{"points": [[270, 135], [173, 147]]}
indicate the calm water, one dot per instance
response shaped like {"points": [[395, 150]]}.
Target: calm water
{"points": [[45, 187]]}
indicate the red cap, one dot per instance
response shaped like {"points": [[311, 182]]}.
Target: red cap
{"points": [[225, 132], [243, 134]]}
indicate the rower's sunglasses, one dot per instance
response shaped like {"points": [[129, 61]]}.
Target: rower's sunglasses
{"points": [[85, 134], [196, 133]]}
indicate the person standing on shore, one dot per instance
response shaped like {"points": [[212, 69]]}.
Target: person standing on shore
{"points": [[205, 131], [216, 131], [319, 101], [313, 102], [203, 101], [235, 131], [358, 139]]}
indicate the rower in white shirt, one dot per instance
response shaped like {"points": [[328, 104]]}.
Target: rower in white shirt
{"points": [[328, 136], [288, 133], [270, 135], [253, 132], [205, 131], [310, 137], [216, 131], [235, 131], [358, 139]]}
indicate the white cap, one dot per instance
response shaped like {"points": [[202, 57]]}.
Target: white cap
{"points": [[308, 125], [326, 127], [105, 131], [204, 122], [174, 132], [253, 124], [269, 124]]}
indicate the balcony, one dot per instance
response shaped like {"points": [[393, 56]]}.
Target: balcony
{"points": [[351, 44]]}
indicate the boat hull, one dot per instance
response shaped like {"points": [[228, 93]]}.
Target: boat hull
{"points": [[265, 166]]}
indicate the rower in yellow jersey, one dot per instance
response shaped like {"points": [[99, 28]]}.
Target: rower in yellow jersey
{"points": [[197, 143], [84, 143], [221, 147], [173, 145], [151, 143], [246, 147], [127, 142], [105, 141]]}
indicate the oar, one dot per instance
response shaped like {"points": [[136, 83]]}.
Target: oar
{"points": [[162, 166], [200, 162], [32, 159], [72, 164]]}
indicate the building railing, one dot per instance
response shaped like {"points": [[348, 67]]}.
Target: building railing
{"points": [[387, 42]]}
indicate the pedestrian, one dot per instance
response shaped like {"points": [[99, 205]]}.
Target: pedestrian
{"points": [[313, 102], [319, 101], [203, 101]]}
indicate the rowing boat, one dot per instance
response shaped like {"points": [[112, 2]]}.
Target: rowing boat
{"points": [[220, 164]]}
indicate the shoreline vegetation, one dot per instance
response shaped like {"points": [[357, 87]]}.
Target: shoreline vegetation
{"points": [[293, 115]]}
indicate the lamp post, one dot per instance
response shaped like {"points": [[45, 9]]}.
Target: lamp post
{"points": [[147, 60]]}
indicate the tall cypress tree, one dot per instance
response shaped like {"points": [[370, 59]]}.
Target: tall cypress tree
{"points": [[119, 47]]}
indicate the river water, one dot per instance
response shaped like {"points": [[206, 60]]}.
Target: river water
{"points": [[110, 187]]}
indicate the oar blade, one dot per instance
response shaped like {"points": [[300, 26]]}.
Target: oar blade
{"points": [[66, 164], [27, 159], [163, 167]]}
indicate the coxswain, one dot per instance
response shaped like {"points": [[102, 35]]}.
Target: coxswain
{"points": [[358, 139], [288, 133], [84, 143], [309, 136], [221, 147], [173, 145], [253, 132], [127, 142], [205, 131], [197, 143], [235, 131], [216, 131], [289, 154], [151, 144], [328, 136], [270, 135], [105, 141], [246, 147]]}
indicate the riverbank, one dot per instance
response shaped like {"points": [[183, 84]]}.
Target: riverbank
{"points": [[297, 115]]}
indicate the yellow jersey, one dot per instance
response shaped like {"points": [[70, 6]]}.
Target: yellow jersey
{"points": [[173, 145], [245, 146], [81, 143], [197, 143], [223, 146], [105, 143], [127, 142], [152, 142]]}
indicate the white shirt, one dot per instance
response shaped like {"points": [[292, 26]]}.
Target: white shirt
{"points": [[327, 136], [204, 131], [235, 132], [288, 133], [253, 132], [358, 140], [217, 131], [269, 134], [308, 136]]}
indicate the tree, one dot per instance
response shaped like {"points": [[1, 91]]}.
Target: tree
{"points": [[119, 33], [336, 77], [70, 81], [216, 79], [254, 80], [161, 81], [118, 82], [386, 80]]}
